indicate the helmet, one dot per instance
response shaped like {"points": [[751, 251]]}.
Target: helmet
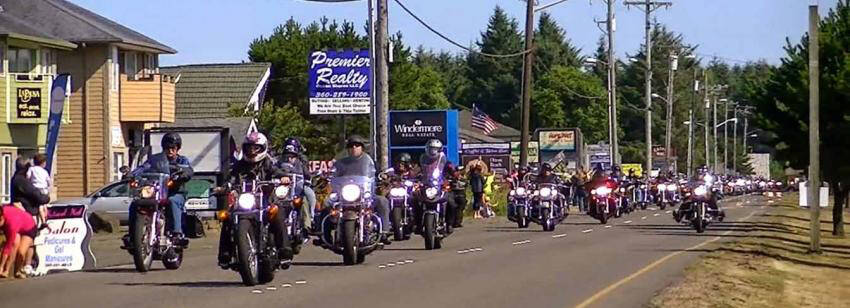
{"points": [[546, 167], [355, 140], [292, 146], [615, 168], [255, 139], [433, 147], [171, 140], [404, 158]]}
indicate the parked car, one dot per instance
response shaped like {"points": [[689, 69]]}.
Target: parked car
{"points": [[112, 199]]}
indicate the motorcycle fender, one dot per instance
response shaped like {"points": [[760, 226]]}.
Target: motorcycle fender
{"points": [[350, 215]]}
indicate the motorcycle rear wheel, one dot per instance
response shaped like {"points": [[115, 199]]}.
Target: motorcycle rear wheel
{"points": [[429, 232], [349, 247], [142, 251], [246, 242]]}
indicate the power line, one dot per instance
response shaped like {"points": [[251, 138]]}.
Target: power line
{"points": [[522, 53]]}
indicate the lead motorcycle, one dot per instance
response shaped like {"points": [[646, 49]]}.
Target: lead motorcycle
{"points": [[519, 201], [547, 206], [351, 228], [604, 202], [696, 210], [148, 240], [251, 214]]}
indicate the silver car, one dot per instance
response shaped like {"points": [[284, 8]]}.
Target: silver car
{"points": [[113, 199]]}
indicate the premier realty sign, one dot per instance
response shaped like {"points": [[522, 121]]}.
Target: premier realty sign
{"points": [[339, 81]]}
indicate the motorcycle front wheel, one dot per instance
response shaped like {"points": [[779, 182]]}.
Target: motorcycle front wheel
{"points": [[429, 232], [246, 250], [142, 251], [396, 220], [349, 245]]}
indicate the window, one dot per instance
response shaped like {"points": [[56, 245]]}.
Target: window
{"points": [[114, 68], [6, 176], [117, 163], [116, 190], [21, 60], [2, 63], [48, 61]]}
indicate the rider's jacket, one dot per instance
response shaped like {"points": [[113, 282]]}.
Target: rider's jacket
{"points": [[263, 170], [362, 165], [430, 163], [179, 166], [548, 179], [457, 182]]}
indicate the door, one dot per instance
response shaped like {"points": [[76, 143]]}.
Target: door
{"points": [[114, 199]]}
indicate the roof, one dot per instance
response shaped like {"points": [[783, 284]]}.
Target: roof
{"points": [[64, 20], [239, 127], [475, 136], [503, 132], [208, 90]]}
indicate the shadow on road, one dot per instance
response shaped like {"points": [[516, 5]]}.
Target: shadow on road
{"points": [[318, 263], [120, 270], [188, 284], [404, 249], [511, 229]]}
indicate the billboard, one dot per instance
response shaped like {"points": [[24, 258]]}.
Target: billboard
{"points": [[339, 81], [564, 140], [497, 156], [410, 130]]}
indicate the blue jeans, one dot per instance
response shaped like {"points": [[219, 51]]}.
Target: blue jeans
{"points": [[307, 211], [177, 207]]}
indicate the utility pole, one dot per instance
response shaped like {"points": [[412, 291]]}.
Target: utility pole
{"points": [[382, 87], [526, 82], [726, 137], [746, 136], [612, 72], [714, 128], [707, 106], [814, 128], [668, 134], [648, 6], [735, 144], [690, 140]]}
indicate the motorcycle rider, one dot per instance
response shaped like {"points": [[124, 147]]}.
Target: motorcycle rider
{"points": [[433, 156], [458, 184], [293, 161], [707, 179], [181, 172], [356, 163], [546, 176], [258, 164]]}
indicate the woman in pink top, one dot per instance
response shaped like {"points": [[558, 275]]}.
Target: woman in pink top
{"points": [[19, 228]]}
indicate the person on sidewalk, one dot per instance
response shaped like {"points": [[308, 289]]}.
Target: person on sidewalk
{"points": [[476, 184], [41, 180], [19, 229]]}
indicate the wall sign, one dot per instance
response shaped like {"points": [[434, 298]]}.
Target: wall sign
{"points": [[339, 82], [497, 156], [66, 245], [533, 152], [557, 140], [416, 128], [29, 103]]}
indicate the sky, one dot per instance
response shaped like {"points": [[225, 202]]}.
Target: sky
{"points": [[220, 31]]}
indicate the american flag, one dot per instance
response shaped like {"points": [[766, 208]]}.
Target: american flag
{"points": [[482, 121]]}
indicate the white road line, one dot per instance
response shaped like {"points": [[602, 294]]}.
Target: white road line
{"points": [[390, 264], [257, 291], [477, 249], [606, 227], [644, 217], [382, 266], [587, 231], [400, 263], [656, 214], [463, 251], [668, 212], [559, 235], [286, 285], [408, 261], [522, 242], [627, 222], [301, 282], [271, 289]]}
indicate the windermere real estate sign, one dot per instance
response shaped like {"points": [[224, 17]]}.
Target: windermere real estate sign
{"points": [[339, 81]]}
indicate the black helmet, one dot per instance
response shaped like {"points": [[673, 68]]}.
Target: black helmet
{"points": [[355, 140], [171, 140], [404, 158], [546, 167]]}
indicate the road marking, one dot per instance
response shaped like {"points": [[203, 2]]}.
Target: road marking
{"points": [[301, 282], [656, 214], [257, 291], [400, 263], [286, 285], [477, 249], [649, 267], [587, 231], [470, 250], [559, 235], [390, 264], [522, 242], [644, 217], [382, 266], [408, 261], [668, 212], [271, 289], [627, 222], [463, 251], [606, 227]]}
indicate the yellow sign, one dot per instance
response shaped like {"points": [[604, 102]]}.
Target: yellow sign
{"points": [[557, 140], [638, 168]]}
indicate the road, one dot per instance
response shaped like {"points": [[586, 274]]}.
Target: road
{"points": [[485, 264]]}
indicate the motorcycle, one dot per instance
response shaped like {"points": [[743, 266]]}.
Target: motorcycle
{"points": [[351, 228], [667, 195], [696, 210], [640, 196], [623, 200], [148, 240], [433, 198], [519, 201], [250, 215], [604, 203], [401, 209], [547, 206], [289, 197]]}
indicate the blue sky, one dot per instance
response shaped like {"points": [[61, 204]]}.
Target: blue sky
{"points": [[219, 31]]}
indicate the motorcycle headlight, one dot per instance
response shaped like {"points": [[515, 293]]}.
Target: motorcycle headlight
{"points": [[700, 191], [622, 190], [281, 191], [350, 193], [146, 192], [512, 192], [643, 187], [398, 192], [749, 182], [708, 178], [603, 191], [333, 197], [662, 187], [435, 174], [408, 183], [545, 192], [247, 201], [520, 191], [431, 192]]}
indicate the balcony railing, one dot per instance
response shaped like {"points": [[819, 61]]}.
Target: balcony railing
{"points": [[149, 98]]}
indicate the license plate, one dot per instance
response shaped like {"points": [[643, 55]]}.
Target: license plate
{"points": [[198, 204]]}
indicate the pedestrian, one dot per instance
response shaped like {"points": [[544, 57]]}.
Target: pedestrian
{"points": [[476, 184], [41, 180], [19, 229], [489, 194], [23, 192]]}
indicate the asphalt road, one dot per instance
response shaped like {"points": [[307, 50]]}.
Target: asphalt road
{"points": [[485, 264]]}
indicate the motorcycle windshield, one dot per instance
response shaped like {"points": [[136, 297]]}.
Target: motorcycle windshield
{"points": [[364, 182], [432, 172], [297, 179]]}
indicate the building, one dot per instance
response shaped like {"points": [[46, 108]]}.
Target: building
{"points": [[208, 94], [116, 92], [27, 68]]}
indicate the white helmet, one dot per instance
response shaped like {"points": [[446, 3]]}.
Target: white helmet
{"points": [[255, 139], [433, 147]]}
